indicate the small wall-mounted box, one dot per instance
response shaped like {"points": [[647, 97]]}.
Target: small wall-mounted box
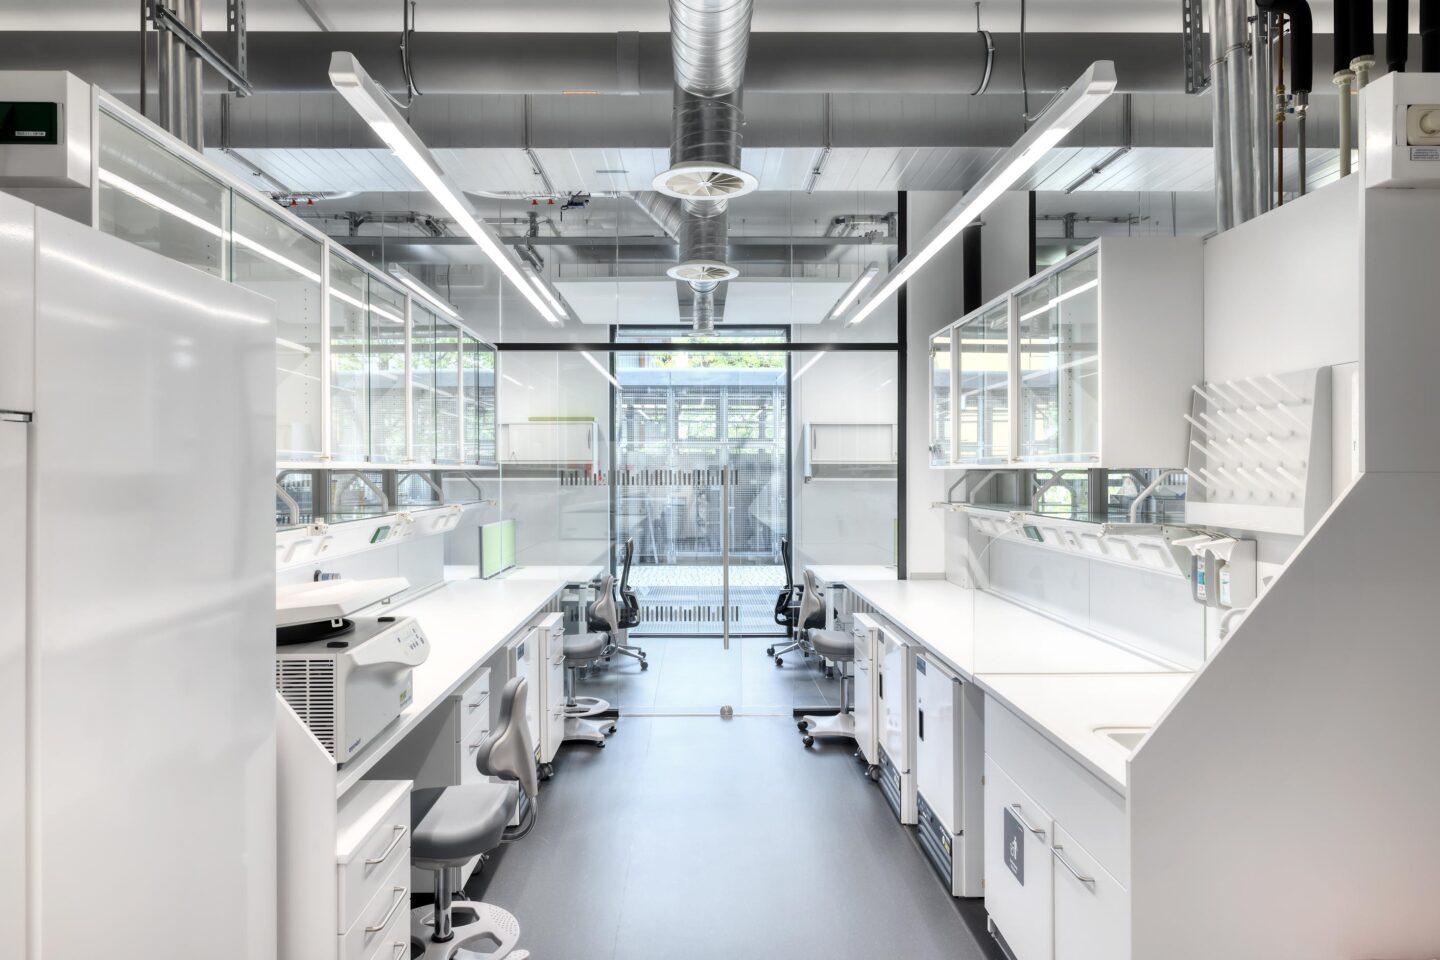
{"points": [[1400, 135], [45, 130]]}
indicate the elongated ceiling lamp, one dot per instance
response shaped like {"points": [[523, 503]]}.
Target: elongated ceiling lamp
{"points": [[375, 108], [1064, 114]]}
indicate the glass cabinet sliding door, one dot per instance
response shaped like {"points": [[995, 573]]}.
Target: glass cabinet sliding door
{"points": [[274, 258], [1059, 389], [981, 398], [424, 336], [477, 371], [941, 436], [349, 362], [448, 410], [386, 372]]}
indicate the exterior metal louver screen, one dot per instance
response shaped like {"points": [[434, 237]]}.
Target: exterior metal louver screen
{"points": [[308, 686]]}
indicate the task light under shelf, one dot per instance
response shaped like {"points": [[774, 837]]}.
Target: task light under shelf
{"points": [[374, 106], [1067, 111]]}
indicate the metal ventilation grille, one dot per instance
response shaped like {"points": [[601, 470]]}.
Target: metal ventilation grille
{"points": [[705, 182], [308, 686], [702, 271]]}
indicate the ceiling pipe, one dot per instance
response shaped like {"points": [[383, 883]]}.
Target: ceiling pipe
{"points": [[621, 63], [1343, 78], [1430, 35], [1362, 40], [1232, 112], [1397, 35]]}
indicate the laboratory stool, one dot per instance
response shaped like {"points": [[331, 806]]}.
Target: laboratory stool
{"points": [[839, 647], [452, 825], [582, 649]]}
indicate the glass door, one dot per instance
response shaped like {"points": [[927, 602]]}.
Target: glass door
{"points": [[982, 399], [1059, 334]]}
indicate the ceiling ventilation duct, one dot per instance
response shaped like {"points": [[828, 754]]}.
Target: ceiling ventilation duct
{"points": [[709, 40]]}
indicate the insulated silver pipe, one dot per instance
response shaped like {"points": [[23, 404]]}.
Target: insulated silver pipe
{"points": [[710, 40], [1262, 61], [193, 105], [1233, 112]]}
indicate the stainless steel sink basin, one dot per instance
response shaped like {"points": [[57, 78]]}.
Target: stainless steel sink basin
{"points": [[1126, 737]]}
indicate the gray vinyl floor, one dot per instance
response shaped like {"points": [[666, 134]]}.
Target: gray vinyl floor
{"points": [[690, 838], [698, 675]]}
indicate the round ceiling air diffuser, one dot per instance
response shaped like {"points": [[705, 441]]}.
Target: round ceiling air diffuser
{"points": [[694, 180], [692, 271]]}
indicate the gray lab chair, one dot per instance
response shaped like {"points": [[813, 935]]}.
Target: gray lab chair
{"points": [[582, 650], [452, 825], [835, 646], [810, 616]]}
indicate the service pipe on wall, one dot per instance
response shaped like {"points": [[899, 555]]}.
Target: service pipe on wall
{"points": [[1232, 112], [1302, 67], [1344, 79], [1430, 35], [1397, 34]]}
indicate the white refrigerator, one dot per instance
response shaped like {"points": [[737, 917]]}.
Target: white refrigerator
{"points": [[136, 596]]}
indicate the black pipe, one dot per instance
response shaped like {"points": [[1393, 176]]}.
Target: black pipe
{"points": [[1397, 34], [1362, 29], [1342, 46], [1302, 37], [1429, 35]]}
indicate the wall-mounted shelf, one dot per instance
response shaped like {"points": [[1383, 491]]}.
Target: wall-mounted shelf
{"points": [[849, 451], [1148, 546], [1259, 455]]}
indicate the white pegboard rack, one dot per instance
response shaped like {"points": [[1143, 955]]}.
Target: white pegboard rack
{"points": [[1259, 454]]}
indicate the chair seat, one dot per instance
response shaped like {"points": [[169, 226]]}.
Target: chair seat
{"points": [[832, 644], [457, 823], [583, 647]]}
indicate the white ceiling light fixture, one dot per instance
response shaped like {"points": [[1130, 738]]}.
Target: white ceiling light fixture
{"points": [[422, 291], [374, 106], [1067, 111], [866, 278], [596, 364], [549, 293]]}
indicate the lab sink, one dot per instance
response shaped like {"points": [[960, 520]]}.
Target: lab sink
{"points": [[1127, 737]]}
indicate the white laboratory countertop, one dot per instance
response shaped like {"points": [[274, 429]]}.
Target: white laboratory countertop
{"points": [[1063, 681], [1067, 709], [466, 622], [846, 573], [573, 573]]}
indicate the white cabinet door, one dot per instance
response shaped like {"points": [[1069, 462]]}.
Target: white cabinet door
{"points": [[935, 695], [13, 506], [1019, 868], [1092, 910], [576, 442]]}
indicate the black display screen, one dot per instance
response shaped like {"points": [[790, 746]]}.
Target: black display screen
{"points": [[29, 123]]}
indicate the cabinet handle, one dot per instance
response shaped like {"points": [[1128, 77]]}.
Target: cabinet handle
{"points": [[390, 914], [472, 707], [402, 950], [400, 832], [921, 714], [1065, 862], [1015, 808], [475, 746]]}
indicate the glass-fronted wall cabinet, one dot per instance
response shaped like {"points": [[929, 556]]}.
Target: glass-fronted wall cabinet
{"points": [[349, 361], [982, 396], [942, 436], [1096, 356]]}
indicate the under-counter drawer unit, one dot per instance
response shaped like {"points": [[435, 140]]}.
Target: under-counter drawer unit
{"points": [[1092, 909], [949, 773], [1018, 868], [895, 696], [372, 865], [552, 690], [865, 628]]}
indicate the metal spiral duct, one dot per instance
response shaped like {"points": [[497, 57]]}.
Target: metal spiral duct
{"points": [[703, 310], [704, 247], [709, 41]]}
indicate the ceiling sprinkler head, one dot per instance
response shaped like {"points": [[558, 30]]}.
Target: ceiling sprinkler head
{"points": [[693, 180]]}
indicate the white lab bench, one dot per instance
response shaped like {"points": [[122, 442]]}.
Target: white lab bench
{"points": [[1062, 712], [344, 832]]}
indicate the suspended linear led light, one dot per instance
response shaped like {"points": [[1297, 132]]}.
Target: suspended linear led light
{"points": [[422, 291], [854, 290], [374, 107], [1092, 88], [603, 372], [548, 293]]}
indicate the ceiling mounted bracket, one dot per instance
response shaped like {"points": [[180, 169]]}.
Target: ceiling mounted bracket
{"points": [[989, 41], [1192, 32], [407, 37], [163, 18]]}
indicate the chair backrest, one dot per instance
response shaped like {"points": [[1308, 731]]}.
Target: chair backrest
{"points": [[625, 570], [789, 572], [812, 602], [601, 611], [509, 752]]}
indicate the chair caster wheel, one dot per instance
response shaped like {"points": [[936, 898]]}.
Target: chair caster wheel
{"points": [[599, 744], [611, 728], [769, 651], [801, 725], [546, 771], [808, 741], [829, 673], [644, 665], [779, 662]]}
